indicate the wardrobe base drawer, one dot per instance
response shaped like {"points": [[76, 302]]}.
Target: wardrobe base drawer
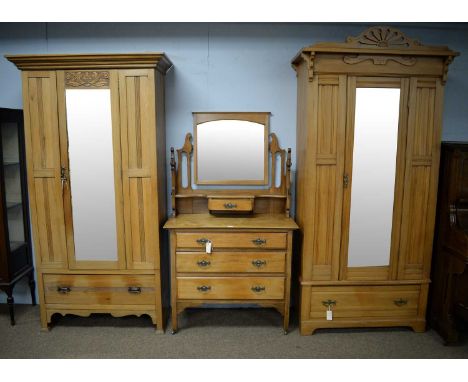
{"points": [[364, 301], [100, 289], [230, 288]]}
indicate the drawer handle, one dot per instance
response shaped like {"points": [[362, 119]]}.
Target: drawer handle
{"points": [[259, 263], [259, 241], [202, 241], [329, 303], [63, 290], [134, 289], [258, 288], [203, 263], [204, 288], [230, 205], [400, 302]]}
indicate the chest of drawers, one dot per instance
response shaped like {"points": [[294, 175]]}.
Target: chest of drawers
{"points": [[249, 261]]}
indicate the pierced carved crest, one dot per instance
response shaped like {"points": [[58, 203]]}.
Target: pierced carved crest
{"points": [[383, 37], [87, 79]]}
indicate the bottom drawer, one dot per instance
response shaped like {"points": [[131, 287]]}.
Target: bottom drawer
{"points": [[230, 288], [365, 301], [100, 289]]}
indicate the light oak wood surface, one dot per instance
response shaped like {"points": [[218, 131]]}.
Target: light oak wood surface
{"points": [[328, 75], [136, 83]]}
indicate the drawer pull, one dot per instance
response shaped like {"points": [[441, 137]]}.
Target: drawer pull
{"points": [[400, 302], [202, 241], [134, 290], [203, 263], [259, 263], [329, 303], [63, 290], [258, 288], [259, 241], [204, 288], [230, 205]]}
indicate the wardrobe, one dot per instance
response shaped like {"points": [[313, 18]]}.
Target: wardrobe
{"points": [[369, 121], [95, 146]]}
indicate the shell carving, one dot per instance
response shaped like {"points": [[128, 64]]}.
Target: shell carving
{"points": [[383, 37]]}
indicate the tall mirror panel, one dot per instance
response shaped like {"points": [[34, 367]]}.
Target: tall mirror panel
{"points": [[90, 150], [373, 176]]}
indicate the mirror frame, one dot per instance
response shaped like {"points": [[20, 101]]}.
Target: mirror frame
{"points": [[257, 117]]}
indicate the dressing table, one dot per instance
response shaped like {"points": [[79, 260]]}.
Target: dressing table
{"points": [[230, 245]]}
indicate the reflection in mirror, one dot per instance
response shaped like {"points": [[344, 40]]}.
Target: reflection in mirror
{"points": [[231, 152], [89, 124], [373, 176]]}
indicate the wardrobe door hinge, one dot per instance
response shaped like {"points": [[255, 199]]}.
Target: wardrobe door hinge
{"points": [[345, 180]]}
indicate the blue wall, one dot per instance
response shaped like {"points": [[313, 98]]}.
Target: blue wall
{"points": [[223, 67]]}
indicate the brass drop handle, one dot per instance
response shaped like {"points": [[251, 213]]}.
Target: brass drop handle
{"points": [[258, 263], [134, 290], [400, 302], [63, 290], [204, 288], [202, 241], [230, 205], [329, 303], [258, 288], [259, 241], [203, 263]]}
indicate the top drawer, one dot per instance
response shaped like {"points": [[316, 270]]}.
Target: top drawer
{"points": [[260, 240], [230, 204]]}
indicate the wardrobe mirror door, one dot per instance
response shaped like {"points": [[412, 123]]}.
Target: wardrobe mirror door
{"points": [[89, 125], [373, 176]]}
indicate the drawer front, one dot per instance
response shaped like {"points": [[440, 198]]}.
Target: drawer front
{"points": [[231, 239], [365, 301], [261, 262], [230, 288], [100, 289], [231, 204]]}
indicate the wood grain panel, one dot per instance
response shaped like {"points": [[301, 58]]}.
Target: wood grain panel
{"points": [[323, 173], [421, 172], [138, 139], [43, 162], [227, 288]]}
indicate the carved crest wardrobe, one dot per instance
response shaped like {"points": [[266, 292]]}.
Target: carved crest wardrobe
{"points": [[95, 144], [368, 140]]}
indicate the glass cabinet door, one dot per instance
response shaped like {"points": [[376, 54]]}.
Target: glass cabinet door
{"points": [[12, 178]]}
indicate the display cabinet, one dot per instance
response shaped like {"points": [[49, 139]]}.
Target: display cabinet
{"points": [[95, 144], [368, 143], [15, 243], [230, 230]]}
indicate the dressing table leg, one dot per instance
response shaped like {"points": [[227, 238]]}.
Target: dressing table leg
{"points": [[174, 319]]}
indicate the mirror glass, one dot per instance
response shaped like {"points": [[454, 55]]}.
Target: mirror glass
{"points": [[89, 124], [231, 152], [373, 176]]}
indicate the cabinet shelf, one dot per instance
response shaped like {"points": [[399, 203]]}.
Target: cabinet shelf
{"points": [[11, 162], [11, 205], [14, 245]]}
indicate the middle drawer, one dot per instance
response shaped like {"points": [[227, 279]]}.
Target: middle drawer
{"points": [[261, 262], [218, 240]]}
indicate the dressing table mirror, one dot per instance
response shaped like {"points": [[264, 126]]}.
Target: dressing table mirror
{"points": [[230, 230]]}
